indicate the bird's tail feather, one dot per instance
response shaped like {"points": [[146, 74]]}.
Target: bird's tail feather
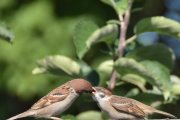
{"points": [[165, 114], [24, 114]]}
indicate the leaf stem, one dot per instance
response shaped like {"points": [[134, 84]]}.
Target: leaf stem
{"points": [[131, 39], [124, 22]]}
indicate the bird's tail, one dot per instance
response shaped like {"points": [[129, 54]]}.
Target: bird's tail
{"points": [[165, 114], [24, 114]]}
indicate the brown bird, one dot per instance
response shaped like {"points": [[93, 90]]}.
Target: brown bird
{"points": [[57, 101], [120, 108]]}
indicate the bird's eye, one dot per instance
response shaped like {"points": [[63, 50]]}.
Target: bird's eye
{"points": [[102, 95]]}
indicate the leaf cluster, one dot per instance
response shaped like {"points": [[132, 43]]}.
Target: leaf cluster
{"points": [[81, 47]]}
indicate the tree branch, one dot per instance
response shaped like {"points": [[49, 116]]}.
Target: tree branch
{"points": [[124, 22]]}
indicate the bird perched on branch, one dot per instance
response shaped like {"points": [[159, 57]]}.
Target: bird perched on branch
{"points": [[57, 101], [122, 108]]}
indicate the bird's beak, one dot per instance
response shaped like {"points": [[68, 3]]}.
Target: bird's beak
{"points": [[94, 90]]}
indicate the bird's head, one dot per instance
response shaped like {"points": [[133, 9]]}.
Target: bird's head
{"points": [[100, 93], [81, 85]]}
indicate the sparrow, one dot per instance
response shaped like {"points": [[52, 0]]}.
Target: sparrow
{"points": [[57, 101], [123, 108]]}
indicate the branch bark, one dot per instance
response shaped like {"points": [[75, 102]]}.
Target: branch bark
{"points": [[124, 22]]}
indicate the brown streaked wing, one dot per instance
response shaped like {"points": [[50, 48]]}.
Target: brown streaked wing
{"points": [[56, 95], [126, 105]]}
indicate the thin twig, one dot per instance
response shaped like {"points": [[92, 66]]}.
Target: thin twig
{"points": [[131, 39], [124, 22], [112, 81], [123, 31]]}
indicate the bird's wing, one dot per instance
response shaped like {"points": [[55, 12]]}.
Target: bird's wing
{"points": [[56, 95], [126, 105]]}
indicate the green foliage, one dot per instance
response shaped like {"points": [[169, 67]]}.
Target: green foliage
{"points": [[69, 117], [35, 32], [176, 84], [105, 69], [90, 115], [119, 6], [83, 43], [159, 72], [156, 52], [106, 34], [5, 34], [176, 89], [58, 65], [137, 73], [129, 67], [82, 32], [160, 25]]}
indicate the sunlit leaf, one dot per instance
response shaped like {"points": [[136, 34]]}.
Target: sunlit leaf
{"points": [[58, 65], [176, 89], [153, 72], [125, 66], [107, 34], [89, 115], [133, 72], [161, 75], [69, 117], [136, 80], [113, 21], [160, 25], [175, 79], [6, 34], [105, 70], [133, 92]]}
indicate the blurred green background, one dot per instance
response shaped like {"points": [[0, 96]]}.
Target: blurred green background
{"points": [[46, 27]]}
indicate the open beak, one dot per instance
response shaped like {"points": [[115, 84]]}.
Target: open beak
{"points": [[90, 90], [94, 90]]}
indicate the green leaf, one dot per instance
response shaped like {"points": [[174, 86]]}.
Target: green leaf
{"points": [[125, 66], [130, 70], [83, 30], [160, 74], [85, 68], [153, 72], [113, 21], [107, 34], [176, 89], [149, 98], [69, 117], [136, 80], [156, 52], [160, 25], [58, 65], [89, 115], [6, 35], [133, 92], [175, 79], [105, 70], [119, 6]]}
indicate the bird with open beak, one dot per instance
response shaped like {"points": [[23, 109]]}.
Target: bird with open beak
{"points": [[122, 108], [57, 101]]}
